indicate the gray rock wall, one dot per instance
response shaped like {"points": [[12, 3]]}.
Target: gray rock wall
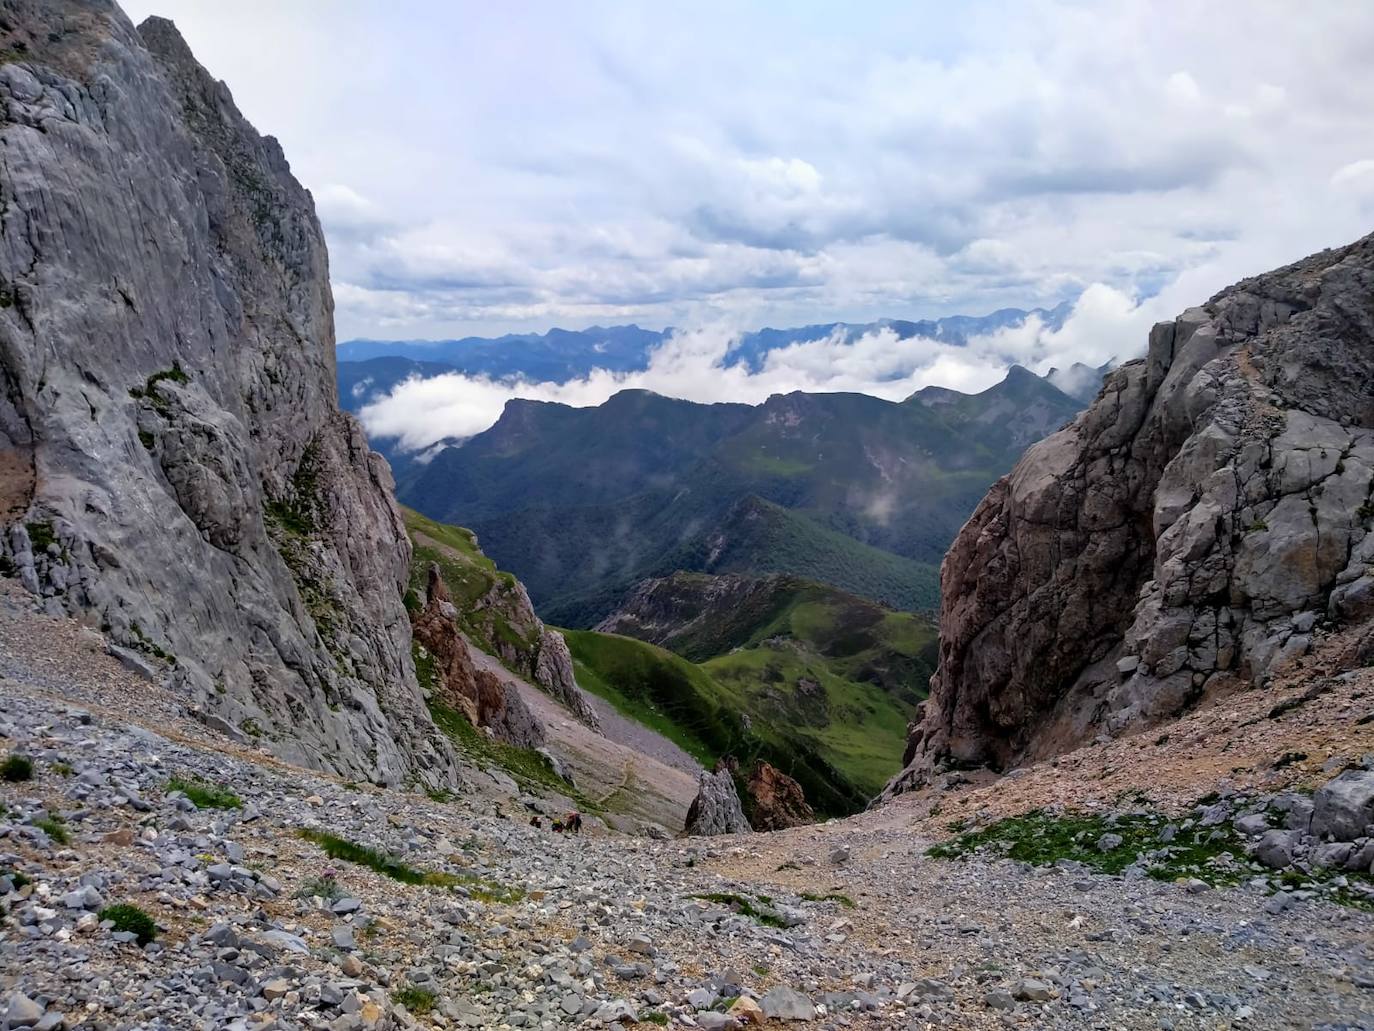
{"points": [[1187, 534], [182, 475]]}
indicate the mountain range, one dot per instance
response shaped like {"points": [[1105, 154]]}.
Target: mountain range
{"points": [[852, 490], [563, 354]]}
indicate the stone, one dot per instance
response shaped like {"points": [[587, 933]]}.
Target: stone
{"points": [[999, 999], [712, 1021], [641, 945], [1275, 848], [1032, 990], [747, 1011], [784, 1003], [1251, 824], [777, 801], [21, 1011], [839, 856], [1344, 806], [716, 808]]}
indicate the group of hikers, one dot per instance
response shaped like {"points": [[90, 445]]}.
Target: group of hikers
{"points": [[571, 823]]}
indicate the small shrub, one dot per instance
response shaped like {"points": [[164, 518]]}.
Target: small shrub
{"points": [[744, 907], [205, 795], [843, 900], [16, 878], [326, 886], [415, 999], [63, 769], [17, 768], [654, 1017], [54, 828], [130, 918]]}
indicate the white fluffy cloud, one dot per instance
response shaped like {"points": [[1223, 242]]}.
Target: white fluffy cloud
{"points": [[694, 364], [480, 170]]}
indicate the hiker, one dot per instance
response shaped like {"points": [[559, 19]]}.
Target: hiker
{"points": [[536, 823], [558, 826], [573, 822]]}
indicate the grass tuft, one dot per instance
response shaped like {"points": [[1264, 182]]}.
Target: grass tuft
{"points": [[16, 768], [744, 907], [54, 828], [205, 795], [480, 888], [417, 1000], [128, 917]]}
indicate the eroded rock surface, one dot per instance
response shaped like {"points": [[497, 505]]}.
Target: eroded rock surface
{"points": [[716, 809], [1188, 534], [778, 801], [176, 467], [480, 695]]}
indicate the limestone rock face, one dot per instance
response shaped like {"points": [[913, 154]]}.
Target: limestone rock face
{"points": [[1187, 534], [777, 801], [481, 696], [175, 467], [716, 809]]}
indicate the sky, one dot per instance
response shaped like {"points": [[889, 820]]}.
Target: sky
{"points": [[485, 168]]}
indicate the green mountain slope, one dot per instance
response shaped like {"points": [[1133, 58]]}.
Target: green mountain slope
{"points": [[818, 682], [581, 503]]}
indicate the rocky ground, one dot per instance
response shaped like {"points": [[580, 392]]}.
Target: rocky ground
{"points": [[843, 925]]}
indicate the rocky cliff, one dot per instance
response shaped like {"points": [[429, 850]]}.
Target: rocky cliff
{"points": [[175, 466], [481, 696], [1187, 535]]}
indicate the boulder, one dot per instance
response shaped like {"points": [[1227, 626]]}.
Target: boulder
{"points": [[1275, 848], [1343, 807], [716, 809], [777, 802]]}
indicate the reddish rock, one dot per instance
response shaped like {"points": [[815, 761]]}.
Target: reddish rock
{"points": [[778, 800], [479, 695]]}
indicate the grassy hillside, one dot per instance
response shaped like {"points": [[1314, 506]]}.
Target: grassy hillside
{"points": [[818, 682]]}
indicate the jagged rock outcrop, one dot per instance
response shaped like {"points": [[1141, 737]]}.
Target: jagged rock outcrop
{"points": [[777, 802], [485, 699], [716, 809], [505, 618], [175, 465], [1186, 535]]}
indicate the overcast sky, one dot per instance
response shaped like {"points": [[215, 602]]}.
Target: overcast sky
{"points": [[482, 168]]}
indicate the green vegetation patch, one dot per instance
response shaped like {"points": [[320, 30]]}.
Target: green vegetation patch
{"points": [[130, 918], [480, 888], [41, 534], [417, 1000], [54, 828], [16, 768], [205, 795], [843, 900], [526, 765], [1215, 855], [745, 907]]}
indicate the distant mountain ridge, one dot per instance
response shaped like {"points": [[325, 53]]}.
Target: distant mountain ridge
{"points": [[369, 369], [848, 489]]}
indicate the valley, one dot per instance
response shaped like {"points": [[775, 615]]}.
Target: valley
{"points": [[1045, 705]]}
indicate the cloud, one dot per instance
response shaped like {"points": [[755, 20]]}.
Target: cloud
{"points": [[695, 365]]}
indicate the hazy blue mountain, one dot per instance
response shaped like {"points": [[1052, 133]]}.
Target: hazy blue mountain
{"points": [[563, 354]]}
